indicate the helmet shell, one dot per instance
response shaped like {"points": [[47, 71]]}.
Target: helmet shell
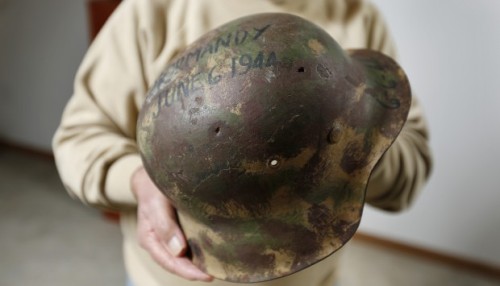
{"points": [[263, 134]]}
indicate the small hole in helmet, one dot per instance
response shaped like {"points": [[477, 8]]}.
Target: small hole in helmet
{"points": [[274, 163], [217, 130], [301, 69]]}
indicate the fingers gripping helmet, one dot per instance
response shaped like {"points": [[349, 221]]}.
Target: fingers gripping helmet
{"points": [[263, 134]]}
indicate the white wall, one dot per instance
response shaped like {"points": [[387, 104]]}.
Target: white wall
{"points": [[449, 48], [451, 51], [41, 45]]}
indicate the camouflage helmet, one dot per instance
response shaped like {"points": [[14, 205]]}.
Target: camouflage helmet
{"points": [[263, 134]]}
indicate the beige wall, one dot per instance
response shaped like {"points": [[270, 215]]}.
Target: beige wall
{"points": [[451, 51]]}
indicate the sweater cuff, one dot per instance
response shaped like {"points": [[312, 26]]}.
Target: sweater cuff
{"points": [[118, 181]]}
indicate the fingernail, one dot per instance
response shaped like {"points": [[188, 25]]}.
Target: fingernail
{"points": [[175, 246]]}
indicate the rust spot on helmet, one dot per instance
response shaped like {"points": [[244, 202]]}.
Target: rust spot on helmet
{"points": [[334, 135]]}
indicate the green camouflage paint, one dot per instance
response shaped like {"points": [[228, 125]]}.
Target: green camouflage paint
{"points": [[264, 133]]}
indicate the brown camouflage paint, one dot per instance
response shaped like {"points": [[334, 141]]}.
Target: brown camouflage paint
{"points": [[264, 133]]}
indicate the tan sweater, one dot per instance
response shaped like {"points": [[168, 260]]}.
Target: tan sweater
{"points": [[95, 145]]}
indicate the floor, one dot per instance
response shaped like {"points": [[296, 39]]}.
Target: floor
{"points": [[47, 238]]}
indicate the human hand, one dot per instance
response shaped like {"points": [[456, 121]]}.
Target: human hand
{"points": [[158, 230]]}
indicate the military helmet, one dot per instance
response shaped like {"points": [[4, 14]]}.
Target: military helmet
{"points": [[263, 133]]}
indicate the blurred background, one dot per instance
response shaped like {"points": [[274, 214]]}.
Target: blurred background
{"points": [[450, 50]]}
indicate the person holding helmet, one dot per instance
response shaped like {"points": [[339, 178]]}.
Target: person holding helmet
{"points": [[262, 139]]}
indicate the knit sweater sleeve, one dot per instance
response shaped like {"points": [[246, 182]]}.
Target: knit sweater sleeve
{"points": [[94, 146]]}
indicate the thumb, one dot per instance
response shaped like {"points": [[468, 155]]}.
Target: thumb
{"points": [[175, 245], [174, 241]]}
